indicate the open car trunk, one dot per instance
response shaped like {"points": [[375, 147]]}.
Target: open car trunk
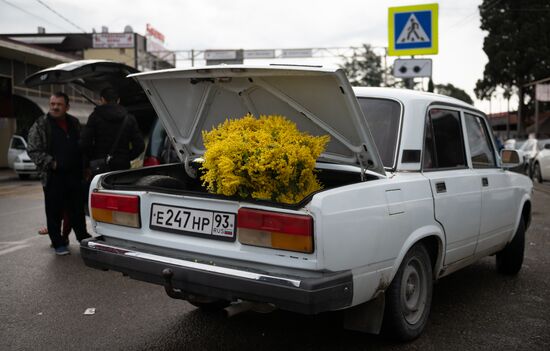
{"points": [[173, 179], [320, 101]]}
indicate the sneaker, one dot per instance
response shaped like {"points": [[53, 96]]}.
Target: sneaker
{"points": [[61, 251], [65, 239]]}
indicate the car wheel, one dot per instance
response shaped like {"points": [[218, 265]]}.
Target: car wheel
{"points": [[161, 181], [510, 259], [208, 305], [409, 296], [536, 173], [24, 176]]}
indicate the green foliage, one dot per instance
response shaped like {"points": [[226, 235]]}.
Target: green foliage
{"points": [[364, 68], [451, 90], [517, 44]]}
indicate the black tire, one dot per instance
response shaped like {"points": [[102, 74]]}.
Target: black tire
{"points": [[209, 306], [24, 176], [510, 259], [536, 173], [161, 181], [409, 296]]}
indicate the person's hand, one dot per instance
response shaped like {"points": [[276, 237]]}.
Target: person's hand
{"points": [[54, 165]]}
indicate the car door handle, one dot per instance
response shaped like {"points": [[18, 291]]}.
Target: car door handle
{"points": [[484, 181], [440, 187]]}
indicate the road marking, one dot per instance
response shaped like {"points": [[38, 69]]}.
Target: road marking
{"points": [[16, 245], [12, 249], [20, 242]]}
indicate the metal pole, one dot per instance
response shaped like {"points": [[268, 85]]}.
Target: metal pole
{"points": [[536, 115], [386, 67], [520, 104], [508, 120], [192, 58]]}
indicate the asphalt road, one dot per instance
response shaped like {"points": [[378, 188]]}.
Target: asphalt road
{"points": [[43, 299]]}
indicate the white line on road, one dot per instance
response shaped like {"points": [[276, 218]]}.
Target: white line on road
{"points": [[12, 249], [20, 242]]}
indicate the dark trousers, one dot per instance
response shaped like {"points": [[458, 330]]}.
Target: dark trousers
{"points": [[64, 192]]}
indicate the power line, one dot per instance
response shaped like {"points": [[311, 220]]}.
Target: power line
{"points": [[466, 19], [32, 14], [60, 15]]}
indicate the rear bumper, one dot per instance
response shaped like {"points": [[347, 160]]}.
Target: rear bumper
{"points": [[25, 168], [210, 277]]}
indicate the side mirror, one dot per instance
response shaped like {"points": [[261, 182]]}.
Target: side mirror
{"points": [[510, 158], [547, 146]]}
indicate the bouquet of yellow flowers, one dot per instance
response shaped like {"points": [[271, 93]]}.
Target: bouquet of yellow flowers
{"points": [[263, 158]]}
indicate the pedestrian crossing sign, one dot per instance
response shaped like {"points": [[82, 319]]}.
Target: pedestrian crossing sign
{"points": [[412, 30]]}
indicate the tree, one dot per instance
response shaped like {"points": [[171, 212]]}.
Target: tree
{"points": [[364, 68], [451, 90], [517, 45]]}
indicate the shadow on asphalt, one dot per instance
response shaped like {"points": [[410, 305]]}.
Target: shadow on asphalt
{"points": [[460, 302]]}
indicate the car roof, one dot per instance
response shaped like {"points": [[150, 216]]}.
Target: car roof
{"points": [[407, 96]]}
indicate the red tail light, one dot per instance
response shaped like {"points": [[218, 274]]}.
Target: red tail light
{"points": [[115, 202], [115, 209], [276, 230], [151, 161]]}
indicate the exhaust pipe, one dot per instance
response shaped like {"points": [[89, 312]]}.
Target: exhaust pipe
{"points": [[244, 306]]}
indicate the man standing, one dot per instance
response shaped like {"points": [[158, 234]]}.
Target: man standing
{"points": [[112, 131], [53, 147]]}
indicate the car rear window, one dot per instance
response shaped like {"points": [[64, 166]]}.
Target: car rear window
{"points": [[383, 118]]}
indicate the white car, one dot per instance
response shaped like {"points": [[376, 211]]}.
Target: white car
{"points": [[541, 164], [19, 160], [413, 190]]}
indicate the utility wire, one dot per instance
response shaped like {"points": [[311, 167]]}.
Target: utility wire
{"points": [[467, 19], [60, 15], [32, 14]]}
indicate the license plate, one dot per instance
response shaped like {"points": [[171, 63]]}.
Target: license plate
{"points": [[195, 222]]}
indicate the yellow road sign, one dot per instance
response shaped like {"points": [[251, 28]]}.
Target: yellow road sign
{"points": [[412, 30]]}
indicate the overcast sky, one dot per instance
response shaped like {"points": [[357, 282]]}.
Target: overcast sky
{"points": [[249, 24]]}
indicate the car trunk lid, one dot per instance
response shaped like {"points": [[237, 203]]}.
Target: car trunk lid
{"points": [[319, 100]]}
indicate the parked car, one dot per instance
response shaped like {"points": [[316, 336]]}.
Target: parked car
{"points": [[413, 191], [19, 160], [541, 164], [94, 75], [513, 144]]}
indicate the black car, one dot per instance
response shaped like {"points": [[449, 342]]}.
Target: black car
{"points": [[95, 75]]}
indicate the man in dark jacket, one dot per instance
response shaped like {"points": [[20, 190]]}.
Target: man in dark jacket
{"points": [[100, 133], [53, 147]]}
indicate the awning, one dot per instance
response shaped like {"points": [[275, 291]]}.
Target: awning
{"points": [[39, 39]]}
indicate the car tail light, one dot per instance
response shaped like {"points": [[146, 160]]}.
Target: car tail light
{"points": [[151, 161], [116, 209], [275, 230]]}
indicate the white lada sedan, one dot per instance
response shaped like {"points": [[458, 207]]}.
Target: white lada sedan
{"points": [[414, 189]]}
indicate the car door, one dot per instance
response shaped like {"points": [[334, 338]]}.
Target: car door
{"points": [[498, 207], [544, 160], [456, 191]]}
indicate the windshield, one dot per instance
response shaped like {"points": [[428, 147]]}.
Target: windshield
{"points": [[383, 117]]}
